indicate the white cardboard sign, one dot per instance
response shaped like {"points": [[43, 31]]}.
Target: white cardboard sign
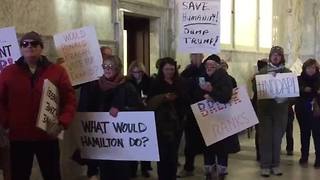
{"points": [[130, 137], [9, 47], [49, 106], [81, 51], [218, 121], [199, 26], [283, 85]]}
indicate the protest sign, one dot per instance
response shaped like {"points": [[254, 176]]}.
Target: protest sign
{"points": [[283, 85], [9, 47], [81, 52], [49, 106], [218, 121], [199, 26], [130, 136]]}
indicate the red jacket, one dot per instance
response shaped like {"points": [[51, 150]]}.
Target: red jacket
{"points": [[20, 94]]}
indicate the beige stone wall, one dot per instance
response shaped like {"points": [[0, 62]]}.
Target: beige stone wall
{"points": [[161, 3], [51, 16]]}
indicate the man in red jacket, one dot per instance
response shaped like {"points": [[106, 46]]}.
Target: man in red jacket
{"points": [[20, 93]]}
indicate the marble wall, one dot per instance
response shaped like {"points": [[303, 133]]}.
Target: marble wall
{"points": [[51, 16], [160, 3]]}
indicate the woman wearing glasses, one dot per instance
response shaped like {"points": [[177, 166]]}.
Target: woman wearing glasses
{"points": [[111, 93]]}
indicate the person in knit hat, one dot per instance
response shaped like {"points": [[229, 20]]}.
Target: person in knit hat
{"points": [[215, 84], [21, 86], [277, 53], [273, 117]]}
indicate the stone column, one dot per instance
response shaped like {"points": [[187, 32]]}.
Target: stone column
{"points": [[317, 29], [294, 25]]}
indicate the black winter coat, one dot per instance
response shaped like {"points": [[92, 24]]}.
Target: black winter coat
{"points": [[93, 99], [223, 85], [304, 102], [143, 86], [169, 114], [193, 71]]}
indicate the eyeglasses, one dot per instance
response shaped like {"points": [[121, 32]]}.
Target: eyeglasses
{"points": [[107, 66], [33, 44], [136, 72]]}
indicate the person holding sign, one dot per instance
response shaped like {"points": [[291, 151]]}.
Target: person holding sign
{"points": [[307, 110], [110, 93], [21, 86], [273, 117], [216, 84], [167, 99]]}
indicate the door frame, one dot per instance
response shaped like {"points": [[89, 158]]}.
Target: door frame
{"points": [[160, 41]]}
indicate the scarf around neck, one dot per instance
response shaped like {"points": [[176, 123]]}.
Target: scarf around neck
{"points": [[107, 84]]}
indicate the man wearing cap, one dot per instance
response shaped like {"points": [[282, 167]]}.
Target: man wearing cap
{"points": [[20, 93], [273, 117]]}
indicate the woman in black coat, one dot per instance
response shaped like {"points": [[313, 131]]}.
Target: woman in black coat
{"points": [[217, 85], [138, 77], [111, 93], [309, 122], [166, 98]]}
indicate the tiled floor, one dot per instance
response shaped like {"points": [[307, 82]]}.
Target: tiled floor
{"points": [[242, 166]]}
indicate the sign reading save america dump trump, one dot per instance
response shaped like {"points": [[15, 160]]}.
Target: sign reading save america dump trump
{"points": [[199, 28], [218, 121]]}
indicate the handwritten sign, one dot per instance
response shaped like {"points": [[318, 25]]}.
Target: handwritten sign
{"points": [[9, 47], [282, 85], [49, 106], [131, 136], [81, 51], [218, 121], [199, 30]]}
